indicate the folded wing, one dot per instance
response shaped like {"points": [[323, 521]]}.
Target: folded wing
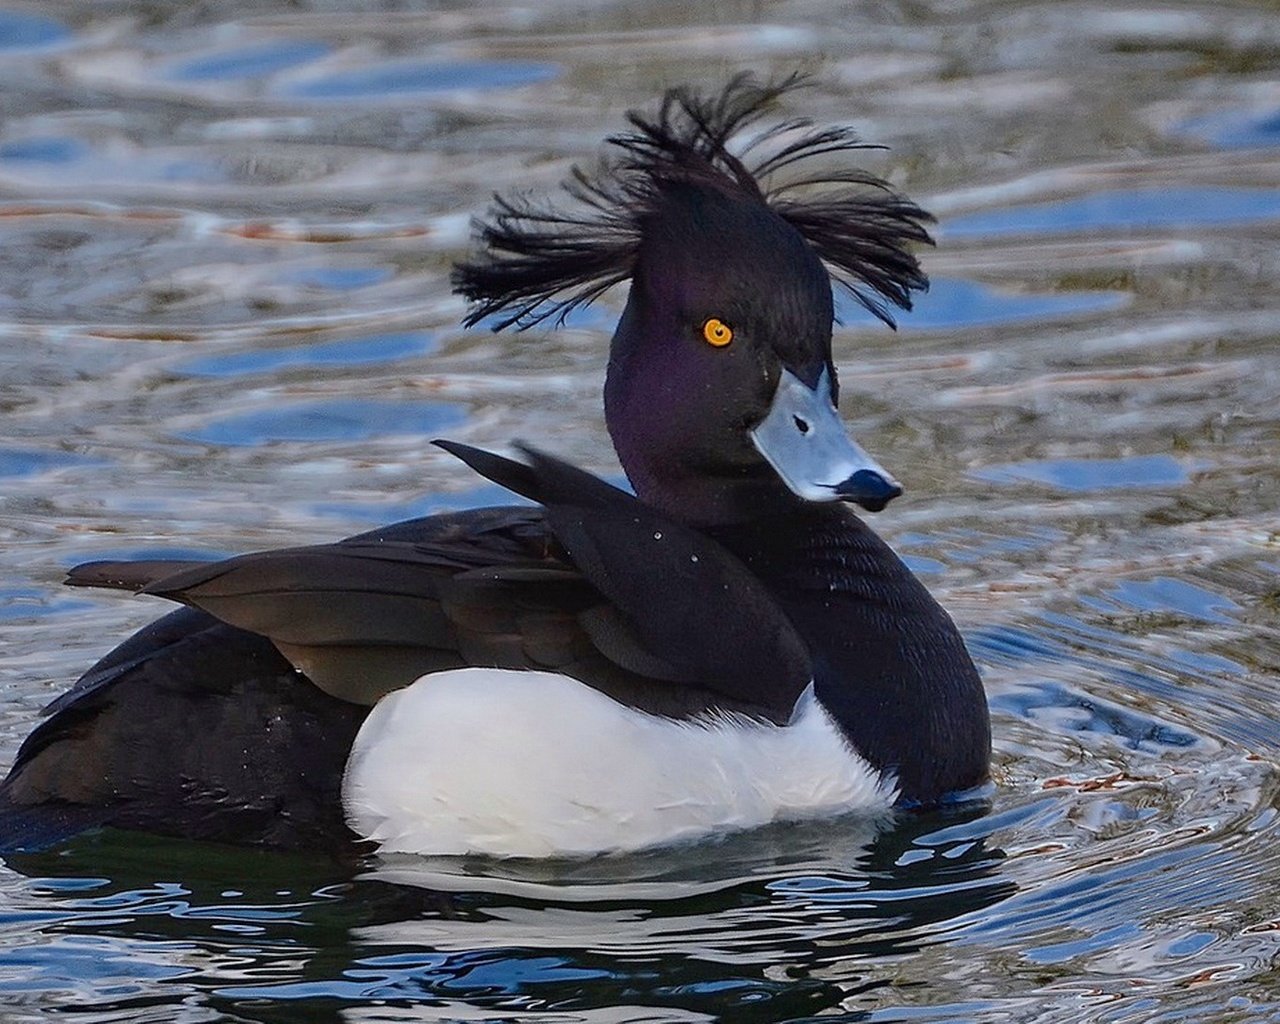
{"points": [[594, 584]]}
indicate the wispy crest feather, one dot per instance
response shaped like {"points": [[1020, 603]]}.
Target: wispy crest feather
{"points": [[538, 261]]}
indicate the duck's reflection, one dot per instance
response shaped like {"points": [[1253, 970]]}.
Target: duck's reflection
{"points": [[780, 922]]}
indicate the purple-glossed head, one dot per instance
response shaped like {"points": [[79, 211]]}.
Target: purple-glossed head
{"points": [[721, 392]]}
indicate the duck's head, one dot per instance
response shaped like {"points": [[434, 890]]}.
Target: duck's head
{"points": [[721, 391]]}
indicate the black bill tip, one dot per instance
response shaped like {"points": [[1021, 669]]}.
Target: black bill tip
{"points": [[872, 490]]}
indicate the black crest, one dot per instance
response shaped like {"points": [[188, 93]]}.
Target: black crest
{"points": [[538, 261]]}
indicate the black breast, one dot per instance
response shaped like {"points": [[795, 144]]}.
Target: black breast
{"points": [[889, 664]]}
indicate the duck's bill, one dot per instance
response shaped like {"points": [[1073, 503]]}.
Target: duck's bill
{"points": [[804, 441]]}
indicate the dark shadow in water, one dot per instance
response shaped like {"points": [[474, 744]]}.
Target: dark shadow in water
{"points": [[781, 923]]}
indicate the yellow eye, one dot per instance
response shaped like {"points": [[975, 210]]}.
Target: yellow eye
{"points": [[717, 332]]}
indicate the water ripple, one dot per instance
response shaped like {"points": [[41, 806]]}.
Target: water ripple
{"points": [[225, 323]]}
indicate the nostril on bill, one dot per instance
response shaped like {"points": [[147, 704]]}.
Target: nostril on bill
{"points": [[801, 424]]}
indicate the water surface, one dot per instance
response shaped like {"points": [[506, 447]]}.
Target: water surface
{"points": [[225, 325]]}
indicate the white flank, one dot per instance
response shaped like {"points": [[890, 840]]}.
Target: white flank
{"points": [[533, 764]]}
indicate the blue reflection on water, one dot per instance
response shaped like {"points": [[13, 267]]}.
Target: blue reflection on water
{"points": [[1129, 208], [1073, 711], [145, 553], [375, 348], [250, 61], [1117, 936], [426, 76], [1103, 652], [54, 149], [45, 149], [922, 566], [1166, 594], [597, 316], [1012, 645], [1057, 639], [15, 462], [488, 972], [1234, 130], [337, 420], [339, 278], [955, 303], [66, 962], [21, 603], [1205, 664], [19, 31], [1264, 131], [428, 505], [481, 496], [1090, 474]]}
